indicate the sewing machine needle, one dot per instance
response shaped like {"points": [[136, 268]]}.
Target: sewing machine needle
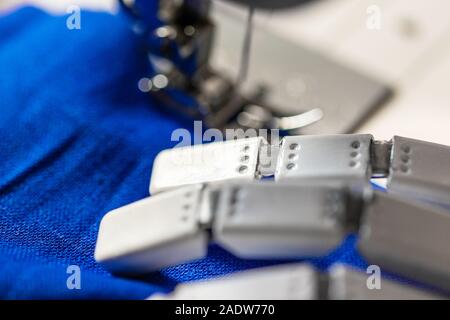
{"points": [[245, 55]]}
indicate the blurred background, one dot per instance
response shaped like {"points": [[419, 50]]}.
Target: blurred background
{"points": [[409, 51]]}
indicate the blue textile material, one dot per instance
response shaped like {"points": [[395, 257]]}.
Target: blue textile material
{"points": [[77, 139]]}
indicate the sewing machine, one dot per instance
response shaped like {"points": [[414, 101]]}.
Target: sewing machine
{"points": [[232, 74], [406, 53]]}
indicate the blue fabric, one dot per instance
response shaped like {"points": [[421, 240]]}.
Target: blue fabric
{"points": [[78, 139]]}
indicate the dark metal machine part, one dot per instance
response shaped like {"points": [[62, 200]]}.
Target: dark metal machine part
{"points": [[195, 35]]}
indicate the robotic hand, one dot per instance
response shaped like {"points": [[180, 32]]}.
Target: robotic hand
{"points": [[320, 192]]}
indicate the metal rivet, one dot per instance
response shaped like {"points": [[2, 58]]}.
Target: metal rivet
{"points": [[405, 158], [404, 168], [353, 163], [242, 169], [406, 149], [356, 144], [290, 166], [245, 158]]}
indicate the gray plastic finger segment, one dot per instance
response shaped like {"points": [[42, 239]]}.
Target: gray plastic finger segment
{"points": [[339, 158], [153, 233], [219, 161], [347, 283], [420, 169], [286, 282], [266, 220], [411, 239]]}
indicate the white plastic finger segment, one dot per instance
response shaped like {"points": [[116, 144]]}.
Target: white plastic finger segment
{"points": [[420, 169], [220, 161], [150, 234], [332, 157], [408, 238], [347, 283], [266, 221], [283, 282]]}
